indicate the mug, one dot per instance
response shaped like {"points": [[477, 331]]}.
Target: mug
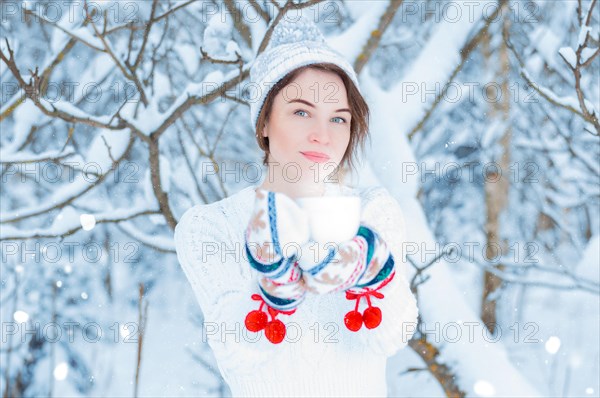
{"points": [[332, 218]]}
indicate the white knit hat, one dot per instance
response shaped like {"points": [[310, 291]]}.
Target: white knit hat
{"points": [[295, 42]]}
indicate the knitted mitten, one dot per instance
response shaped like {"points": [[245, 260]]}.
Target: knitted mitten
{"points": [[277, 229], [361, 266]]}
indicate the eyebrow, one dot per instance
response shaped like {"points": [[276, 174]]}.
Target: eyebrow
{"points": [[312, 106]]}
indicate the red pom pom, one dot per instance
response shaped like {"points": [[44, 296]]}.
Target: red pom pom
{"points": [[372, 317], [256, 320], [353, 320], [275, 331]]}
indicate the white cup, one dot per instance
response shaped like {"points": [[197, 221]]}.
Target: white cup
{"points": [[332, 218]]}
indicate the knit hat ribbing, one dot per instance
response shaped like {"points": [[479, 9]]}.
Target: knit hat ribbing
{"points": [[293, 44]]}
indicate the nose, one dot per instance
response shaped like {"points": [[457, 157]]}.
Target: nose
{"points": [[319, 133]]}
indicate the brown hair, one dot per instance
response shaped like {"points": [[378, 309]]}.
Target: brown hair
{"points": [[359, 124]]}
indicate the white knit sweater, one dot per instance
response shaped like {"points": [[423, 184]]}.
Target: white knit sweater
{"points": [[319, 356]]}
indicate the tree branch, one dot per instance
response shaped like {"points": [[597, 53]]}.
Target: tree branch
{"points": [[376, 35], [145, 39], [36, 211], [128, 74], [465, 52], [70, 231]]}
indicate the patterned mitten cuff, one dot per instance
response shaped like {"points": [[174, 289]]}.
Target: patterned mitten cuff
{"points": [[358, 262]]}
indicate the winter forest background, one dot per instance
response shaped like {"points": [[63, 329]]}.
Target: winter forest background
{"points": [[117, 116]]}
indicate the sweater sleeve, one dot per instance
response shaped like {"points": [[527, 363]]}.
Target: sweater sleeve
{"points": [[399, 306], [213, 260], [209, 258]]}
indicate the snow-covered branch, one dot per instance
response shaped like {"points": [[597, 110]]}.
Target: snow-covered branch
{"points": [[575, 60], [69, 227]]}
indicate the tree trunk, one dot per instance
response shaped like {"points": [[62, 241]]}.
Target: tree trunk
{"points": [[496, 186]]}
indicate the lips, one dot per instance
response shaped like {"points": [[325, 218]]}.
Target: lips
{"points": [[318, 157]]}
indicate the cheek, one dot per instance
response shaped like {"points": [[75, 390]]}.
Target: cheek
{"points": [[282, 142], [284, 137], [344, 143]]}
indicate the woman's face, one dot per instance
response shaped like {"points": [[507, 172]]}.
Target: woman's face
{"points": [[309, 126]]}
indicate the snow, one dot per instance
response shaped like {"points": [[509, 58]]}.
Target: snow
{"points": [[435, 63], [587, 53], [61, 371], [88, 221], [107, 144], [82, 33], [25, 156], [574, 363], [189, 57], [390, 152], [21, 316], [583, 33], [217, 41], [165, 173], [587, 267], [26, 115], [97, 159], [232, 48], [359, 32], [70, 221], [358, 9], [569, 56], [546, 42], [164, 243], [257, 33], [168, 369], [101, 67], [493, 133], [470, 359], [402, 111], [150, 118], [71, 109], [590, 107], [564, 101], [14, 45]]}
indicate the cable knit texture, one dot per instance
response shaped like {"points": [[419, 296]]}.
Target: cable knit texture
{"points": [[296, 41], [319, 356]]}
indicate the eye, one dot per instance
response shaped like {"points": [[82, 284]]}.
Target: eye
{"points": [[300, 112], [338, 119]]}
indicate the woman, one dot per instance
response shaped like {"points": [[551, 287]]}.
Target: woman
{"points": [[281, 321]]}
